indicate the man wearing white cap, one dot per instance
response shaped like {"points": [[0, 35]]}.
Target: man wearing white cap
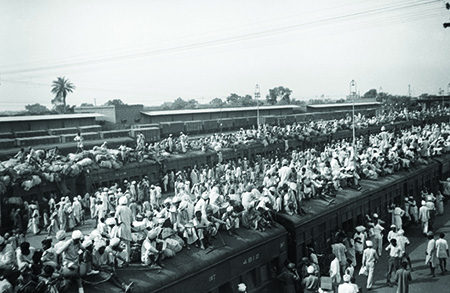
{"points": [[370, 257], [70, 258], [311, 281], [124, 220], [403, 242], [347, 287], [242, 288], [424, 217], [378, 234]]}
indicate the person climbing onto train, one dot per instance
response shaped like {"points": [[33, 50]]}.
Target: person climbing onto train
{"points": [[310, 282], [289, 276], [397, 214]]}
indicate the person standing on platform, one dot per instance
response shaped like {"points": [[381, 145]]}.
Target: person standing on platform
{"points": [[442, 252], [403, 242], [370, 257], [360, 239], [79, 139], [395, 254], [335, 271], [378, 234], [402, 278], [424, 217], [431, 257]]}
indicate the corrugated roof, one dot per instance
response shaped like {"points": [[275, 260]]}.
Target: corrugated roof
{"points": [[344, 105], [215, 110], [48, 117]]}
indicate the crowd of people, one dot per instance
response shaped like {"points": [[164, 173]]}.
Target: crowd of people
{"points": [[358, 252], [138, 222]]}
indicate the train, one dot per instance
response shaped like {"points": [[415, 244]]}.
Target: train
{"points": [[253, 257], [91, 179], [257, 258], [156, 131]]}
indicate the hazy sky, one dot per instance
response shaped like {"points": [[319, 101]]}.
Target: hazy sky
{"points": [[153, 51]]}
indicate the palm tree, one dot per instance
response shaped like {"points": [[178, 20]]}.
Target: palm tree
{"points": [[60, 88]]}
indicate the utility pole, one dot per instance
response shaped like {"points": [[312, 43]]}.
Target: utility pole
{"points": [[257, 96], [353, 94], [409, 90]]}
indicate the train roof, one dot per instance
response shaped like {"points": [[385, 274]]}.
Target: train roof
{"points": [[341, 105], [215, 110], [48, 117], [318, 207], [195, 268]]}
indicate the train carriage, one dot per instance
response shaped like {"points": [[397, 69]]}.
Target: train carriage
{"points": [[252, 257], [350, 207]]}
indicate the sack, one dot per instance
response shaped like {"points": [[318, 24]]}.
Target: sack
{"points": [[325, 283], [363, 271]]}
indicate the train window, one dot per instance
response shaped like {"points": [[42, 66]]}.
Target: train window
{"points": [[224, 288], [264, 273], [249, 279]]}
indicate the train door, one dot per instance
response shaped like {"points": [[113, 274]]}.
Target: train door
{"points": [[348, 222]]}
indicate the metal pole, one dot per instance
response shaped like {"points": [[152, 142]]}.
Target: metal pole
{"points": [[257, 95], [353, 93]]}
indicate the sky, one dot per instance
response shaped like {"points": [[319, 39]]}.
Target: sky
{"points": [[154, 51]]}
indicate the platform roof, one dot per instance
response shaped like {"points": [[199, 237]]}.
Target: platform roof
{"points": [[48, 117], [216, 110], [337, 105]]}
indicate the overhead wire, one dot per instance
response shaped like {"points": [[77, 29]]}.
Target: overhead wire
{"points": [[227, 40]]}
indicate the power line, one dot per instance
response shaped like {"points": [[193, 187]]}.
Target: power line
{"points": [[258, 35]]}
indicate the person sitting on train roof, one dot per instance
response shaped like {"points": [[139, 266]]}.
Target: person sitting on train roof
{"points": [[204, 228], [103, 259]]}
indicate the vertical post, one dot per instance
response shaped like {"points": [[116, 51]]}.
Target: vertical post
{"points": [[353, 94], [257, 96]]}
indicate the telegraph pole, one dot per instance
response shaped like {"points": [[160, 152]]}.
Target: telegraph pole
{"points": [[257, 96], [353, 94]]}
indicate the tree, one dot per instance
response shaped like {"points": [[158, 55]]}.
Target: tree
{"points": [[192, 104], [234, 100], [179, 104], [86, 105], [114, 102], [37, 109], [371, 94], [60, 88], [281, 94], [248, 101], [217, 103]]}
